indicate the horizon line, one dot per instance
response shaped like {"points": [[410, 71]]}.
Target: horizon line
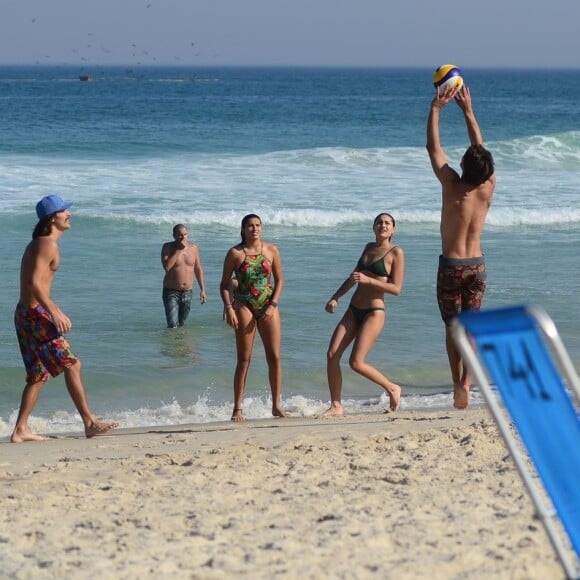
{"points": [[282, 66]]}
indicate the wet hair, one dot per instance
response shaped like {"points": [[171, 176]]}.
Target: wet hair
{"points": [[43, 227], [245, 220], [477, 165], [381, 214], [177, 227]]}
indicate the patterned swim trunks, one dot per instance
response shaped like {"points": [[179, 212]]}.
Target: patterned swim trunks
{"points": [[44, 351], [460, 285]]}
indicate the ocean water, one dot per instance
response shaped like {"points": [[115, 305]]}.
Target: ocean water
{"points": [[317, 154]]}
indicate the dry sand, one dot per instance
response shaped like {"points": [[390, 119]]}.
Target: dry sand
{"points": [[409, 495]]}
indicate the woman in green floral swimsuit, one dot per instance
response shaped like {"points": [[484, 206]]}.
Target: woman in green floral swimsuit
{"points": [[254, 306]]}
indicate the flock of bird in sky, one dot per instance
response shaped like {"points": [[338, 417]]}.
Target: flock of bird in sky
{"points": [[133, 54]]}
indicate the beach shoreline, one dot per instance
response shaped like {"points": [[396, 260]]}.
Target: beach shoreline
{"points": [[387, 496]]}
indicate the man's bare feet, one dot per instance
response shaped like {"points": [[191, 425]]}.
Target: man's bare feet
{"points": [[335, 410], [460, 396], [278, 412], [22, 435], [238, 415], [97, 428], [394, 398]]}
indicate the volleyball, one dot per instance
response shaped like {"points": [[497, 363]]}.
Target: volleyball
{"points": [[448, 76]]}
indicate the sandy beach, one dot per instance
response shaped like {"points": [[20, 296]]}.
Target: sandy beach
{"points": [[407, 495]]}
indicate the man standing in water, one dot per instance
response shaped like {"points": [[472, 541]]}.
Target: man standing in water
{"points": [[40, 323], [466, 199], [180, 260]]}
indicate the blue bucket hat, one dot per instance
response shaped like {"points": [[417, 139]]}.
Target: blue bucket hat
{"points": [[49, 205]]}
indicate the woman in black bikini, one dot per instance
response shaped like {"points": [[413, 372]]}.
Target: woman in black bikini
{"points": [[380, 270]]}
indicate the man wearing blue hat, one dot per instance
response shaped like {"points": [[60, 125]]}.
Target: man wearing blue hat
{"points": [[40, 323]]}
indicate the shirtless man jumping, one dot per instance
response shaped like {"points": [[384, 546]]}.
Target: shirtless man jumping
{"points": [[40, 323], [466, 199], [180, 260]]}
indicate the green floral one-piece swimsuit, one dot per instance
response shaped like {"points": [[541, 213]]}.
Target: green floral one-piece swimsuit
{"points": [[254, 288]]}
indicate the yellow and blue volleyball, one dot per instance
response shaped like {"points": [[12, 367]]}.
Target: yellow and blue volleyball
{"points": [[448, 76]]}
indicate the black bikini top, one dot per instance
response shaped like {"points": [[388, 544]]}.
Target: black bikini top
{"points": [[377, 268]]}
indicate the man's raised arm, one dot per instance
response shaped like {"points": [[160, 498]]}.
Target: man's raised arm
{"points": [[437, 155], [463, 100]]}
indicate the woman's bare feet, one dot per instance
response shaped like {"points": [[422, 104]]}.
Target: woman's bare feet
{"points": [[394, 398], [278, 411], [96, 428], [238, 415], [335, 410], [22, 435], [460, 396]]}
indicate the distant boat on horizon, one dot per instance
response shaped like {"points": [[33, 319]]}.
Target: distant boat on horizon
{"points": [[85, 78]]}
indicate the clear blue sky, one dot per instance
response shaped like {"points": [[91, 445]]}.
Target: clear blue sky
{"points": [[508, 33]]}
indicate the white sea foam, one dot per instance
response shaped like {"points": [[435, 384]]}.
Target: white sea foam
{"points": [[508, 217], [255, 408], [316, 188], [315, 219], [537, 152]]}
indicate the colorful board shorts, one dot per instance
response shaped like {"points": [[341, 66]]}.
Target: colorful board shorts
{"points": [[460, 285], [44, 351]]}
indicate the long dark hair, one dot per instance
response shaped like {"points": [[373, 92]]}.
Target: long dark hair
{"points": [[383, 213], [43, 227], [388, 215], [245, 220]]}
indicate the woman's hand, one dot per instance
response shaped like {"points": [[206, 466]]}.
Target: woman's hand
{"points": [[269, 312], [360, 278], [231, 317]]}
